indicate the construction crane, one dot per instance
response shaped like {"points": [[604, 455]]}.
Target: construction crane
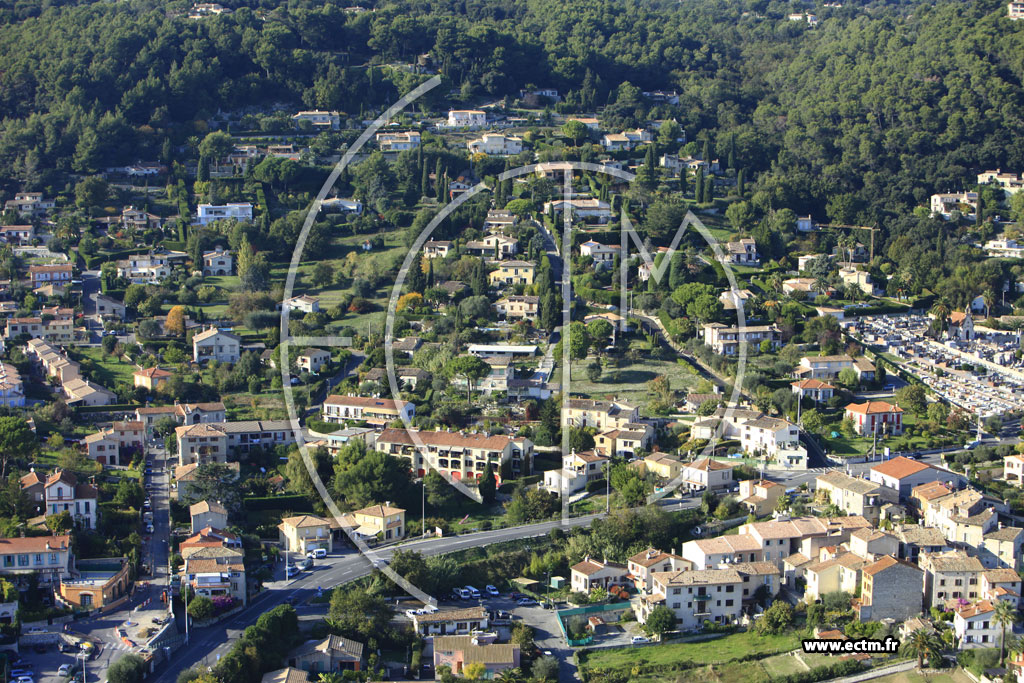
{"points": [[839, 226]]}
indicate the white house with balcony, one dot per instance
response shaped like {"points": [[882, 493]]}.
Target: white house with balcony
{"points": [[494, 144], [467, 118], [239, 211]]}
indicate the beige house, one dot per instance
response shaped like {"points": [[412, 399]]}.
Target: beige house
{"points": [[590, 574], [512, 273], [312, 360], [625, 441], [1013, 470], [760, 496], [451, 621], [151, 378], [456, 652], [872, 544], [385, 522], [332, 654], [705, 473], [714, 595], [1002, 547], [661, 465], [303, 533], [838, 573], [518, 307], [217, 571], [604, 415], [643, 565], [207, 513], [201, 443], [212, 344], [853, 495]]}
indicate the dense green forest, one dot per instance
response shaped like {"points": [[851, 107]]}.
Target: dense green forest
{"points": [[858, 119]]}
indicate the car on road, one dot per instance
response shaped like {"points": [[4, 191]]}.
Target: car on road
{"points": [[526, 602], [491, 590], [305, 564], [379, 563], [317, 553], [149, 528], [636, 640], [291, 570], [23, 679], [66, 669]]}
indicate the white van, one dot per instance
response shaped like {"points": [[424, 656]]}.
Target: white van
{"points": [[473, 593], [464, 593], [317, 553]]}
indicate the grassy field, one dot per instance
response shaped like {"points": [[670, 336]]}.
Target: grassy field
{"points": [[629, 382], [719, 650], [109, 370]]}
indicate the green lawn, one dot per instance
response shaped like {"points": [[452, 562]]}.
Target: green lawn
{"points": [[629, 381], [109, 370], [724, 649]]}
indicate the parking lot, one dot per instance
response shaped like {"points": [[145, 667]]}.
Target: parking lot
{"points": [[44, 665]]}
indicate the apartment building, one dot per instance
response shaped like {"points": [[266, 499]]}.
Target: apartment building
{"points": [[780, 538], [890, 589], [48, 556], [182, 413], [59, 274], [460, 455], [964, 516], [216, 571], [467, 118], [725, 339], [578, 469], [757, 433], [377, 411], [695, 596], [903, 474], [829, 367], [953, 574]]}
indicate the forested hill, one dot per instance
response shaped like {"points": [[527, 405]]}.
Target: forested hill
{"points": [[860, 117]]}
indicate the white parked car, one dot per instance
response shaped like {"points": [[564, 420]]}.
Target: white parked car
{"points": [[491, 590], [639, 639], [317, 554]]}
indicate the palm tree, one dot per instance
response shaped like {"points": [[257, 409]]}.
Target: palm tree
{"points": [[941, 313], [330, 677], [989, 298], [1005, 615], [924, 645], [509, 676]]}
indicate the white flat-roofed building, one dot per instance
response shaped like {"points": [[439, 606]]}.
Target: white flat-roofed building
{"points": [[725, 339], [239, 211], [319, 119], [495, 144], [945, 204], [467, 118], [508, 351], [338, 409], [398, 142]]}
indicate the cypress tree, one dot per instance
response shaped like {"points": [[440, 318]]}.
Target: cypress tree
{"points": [[698, 186], [739, 182], [732, 151], [424, 182], [430, 275], [706, 153], [417, 281], [709, 190]]}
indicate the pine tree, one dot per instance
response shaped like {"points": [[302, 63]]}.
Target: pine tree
{"points": [[478, 281], [417, 281]]}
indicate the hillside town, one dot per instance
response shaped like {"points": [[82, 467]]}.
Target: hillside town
{"points": [[430, 371]]}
